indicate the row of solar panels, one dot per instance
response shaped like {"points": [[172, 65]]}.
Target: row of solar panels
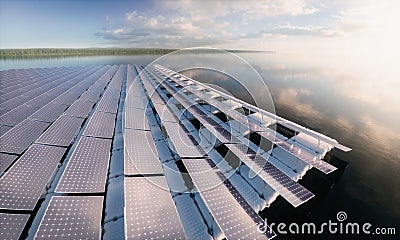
{"points": [[53, 128], [279, 181], [223, 205]]}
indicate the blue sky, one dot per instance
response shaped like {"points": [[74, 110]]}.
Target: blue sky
{"points": [[263, 25]]}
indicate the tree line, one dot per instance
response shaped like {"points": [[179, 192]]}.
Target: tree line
{"points": [[59, 52]]}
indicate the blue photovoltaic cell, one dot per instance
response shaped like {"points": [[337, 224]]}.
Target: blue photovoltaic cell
{"points": [[62, 132], [86, 171], [22, 186], [17, 115], [183, 145], [5, 161], [21, 136], [107, 104], [72, 217], [49, 113], [12, 225], [101, 124], [135, 118], [141, 156], [80, 109], [150, 212]]}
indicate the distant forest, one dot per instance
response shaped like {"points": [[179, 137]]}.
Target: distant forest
{"points": [[60, 52], [65, 52]]}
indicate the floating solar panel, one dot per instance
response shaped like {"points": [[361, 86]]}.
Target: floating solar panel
{"points": [[5, 161], [80, 109], [86, 171], [72, 217], [234, 221], [135, 118], [107, 104], [49, 113], [17, 115], [299, 152], [184, 145], [21, 136], [292, 191], [141, 156], [62, 132], [11, 104], [101, 124], [147, 216], [165, 113], [23, 184], [90, 96], [66, 98], [12, 225], [40, 101]]}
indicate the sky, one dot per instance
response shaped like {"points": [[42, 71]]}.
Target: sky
{"points": [[280, 25]]}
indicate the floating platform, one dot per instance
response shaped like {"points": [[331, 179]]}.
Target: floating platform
{"points": [[123, 151]]}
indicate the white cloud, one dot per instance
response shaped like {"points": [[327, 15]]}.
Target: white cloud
{"points": [[305, 31]]}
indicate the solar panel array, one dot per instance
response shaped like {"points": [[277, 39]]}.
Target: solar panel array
{"points": [[222, 205], [284, 185], [59, 127]]}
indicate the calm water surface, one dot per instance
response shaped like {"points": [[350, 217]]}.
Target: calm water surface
{"points": [[357, 106]]}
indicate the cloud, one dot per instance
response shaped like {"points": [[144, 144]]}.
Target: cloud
{"points": [[304, 31], [199, 23]]}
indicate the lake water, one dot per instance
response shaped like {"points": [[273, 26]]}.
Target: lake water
{"points": [[358, 106]]}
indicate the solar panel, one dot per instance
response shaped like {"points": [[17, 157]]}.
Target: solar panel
{"points": [[299, 152], [135, 118], [90, 96], [141, 156], [86, 171], [49, 113], [13, 103], [147, 216], [232, 218], [136, 102], [184, 146], [80, 109], [66, 98], [292, 191], [101, 124], [5, 161], [21, 136], [12, 225], [165, 113], [72, 217], [62, 132], [17, 115], [22, 185], [107, 104], [40, 100]]}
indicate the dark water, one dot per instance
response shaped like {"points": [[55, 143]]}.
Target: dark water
{"points": [[356, 106]]}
